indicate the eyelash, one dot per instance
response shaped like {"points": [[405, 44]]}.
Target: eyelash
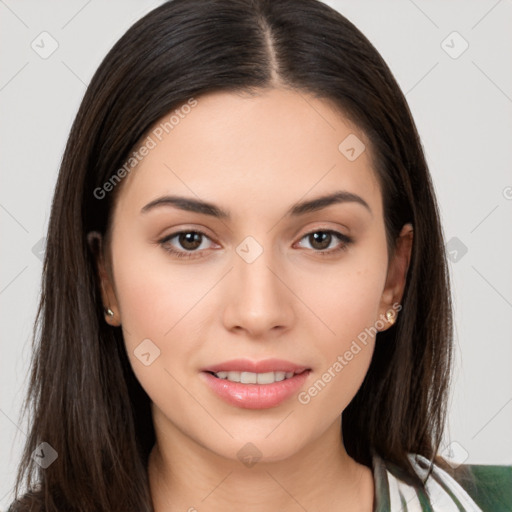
{"points": [[346, 241]]}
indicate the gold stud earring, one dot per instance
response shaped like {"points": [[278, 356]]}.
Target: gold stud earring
{"points": [[390, 316]]}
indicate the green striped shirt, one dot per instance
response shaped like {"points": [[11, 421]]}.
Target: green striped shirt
{"points": [[395, 492]]}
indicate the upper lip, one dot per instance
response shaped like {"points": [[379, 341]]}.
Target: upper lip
{"points": [[264, 366]]}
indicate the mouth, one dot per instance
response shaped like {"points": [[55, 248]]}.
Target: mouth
{"points": [[248, 384], [251, 384], [244, 377], [248, 366]]}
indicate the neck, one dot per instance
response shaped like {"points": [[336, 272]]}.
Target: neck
{"points": [[186, 476]]}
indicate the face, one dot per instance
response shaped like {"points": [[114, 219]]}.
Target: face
{"points": [[271, 278]]}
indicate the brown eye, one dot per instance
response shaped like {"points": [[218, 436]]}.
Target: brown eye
{"points": [[321, 239], [190, 240], [185, 244]]}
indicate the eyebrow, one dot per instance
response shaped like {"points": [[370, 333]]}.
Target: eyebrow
{"points": [[198, 206]]}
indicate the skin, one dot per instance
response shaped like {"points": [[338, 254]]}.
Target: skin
{"points": [[273, 149]]}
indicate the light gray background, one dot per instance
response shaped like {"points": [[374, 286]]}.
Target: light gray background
{"points": [[462, 107]]}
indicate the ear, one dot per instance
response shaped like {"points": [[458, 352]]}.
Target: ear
{"points": [[104, 276], [396, 277]]}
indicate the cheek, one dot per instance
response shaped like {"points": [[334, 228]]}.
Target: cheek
{"points": [[154, 294], [346, 298], [346, 348], [160, 303]]}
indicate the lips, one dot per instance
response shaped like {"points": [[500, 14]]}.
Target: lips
{"points": [[255, 396], [264, 366]]}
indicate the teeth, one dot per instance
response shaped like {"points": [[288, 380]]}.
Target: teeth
{"points": [[254, 378]]}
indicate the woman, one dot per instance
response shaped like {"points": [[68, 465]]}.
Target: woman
{"points": [[245, 299]]}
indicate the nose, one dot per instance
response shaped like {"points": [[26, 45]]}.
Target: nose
{"points": [[259, 300]]}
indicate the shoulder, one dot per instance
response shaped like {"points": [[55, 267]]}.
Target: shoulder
{"points": [[468, 488], [489, 485]]}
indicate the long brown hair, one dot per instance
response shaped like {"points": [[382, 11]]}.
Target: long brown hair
{"points": [[85, 400]]}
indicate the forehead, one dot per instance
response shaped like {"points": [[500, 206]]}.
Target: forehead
{"points": [[271, 148]]}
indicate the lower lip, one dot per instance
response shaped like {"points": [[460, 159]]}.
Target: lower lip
{"points": [[255, 396]]}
